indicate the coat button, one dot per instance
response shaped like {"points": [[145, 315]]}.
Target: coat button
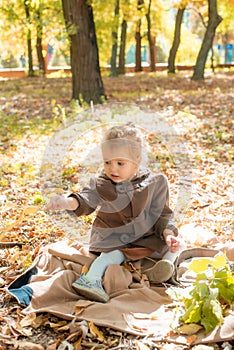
{"points": [[125, 238], [128, 220], [120, 188]]}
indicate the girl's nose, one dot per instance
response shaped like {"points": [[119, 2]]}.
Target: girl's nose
{"points": [[112, 166]]}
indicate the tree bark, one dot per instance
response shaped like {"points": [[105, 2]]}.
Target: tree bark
{"points": [[151, 41], [122, 47], [225, 42], [114, 71], [39, 26], [176, 41], [213, 22], [29, 38], [138, 67], [87, 85]]}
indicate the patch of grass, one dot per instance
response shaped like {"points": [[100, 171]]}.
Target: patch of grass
{"points": [[14, 128]]}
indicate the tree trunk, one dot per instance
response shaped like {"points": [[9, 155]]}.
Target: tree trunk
{"points": [[29, 38], [176, 41], [40, 57], [114, 72], [122, 47], [87, 85], [213, 22], [150, 41], [138, 67], [225, 42]]}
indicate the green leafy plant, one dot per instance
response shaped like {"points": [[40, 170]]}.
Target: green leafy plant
{"points": [[210, 295]]}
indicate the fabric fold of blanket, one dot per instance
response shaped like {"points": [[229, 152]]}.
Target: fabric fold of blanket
{"points": [[134, 307]]}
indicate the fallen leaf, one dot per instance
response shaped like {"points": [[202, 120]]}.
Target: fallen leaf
{"points": [[24, 345], [189, 329], [65, 346], [141, 346], [84, 269], [32, 320], [191, 339], [82, 305], [96, 332], [31, 209]]}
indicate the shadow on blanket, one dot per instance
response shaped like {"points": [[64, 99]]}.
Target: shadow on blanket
{"points": [[134, 306]]}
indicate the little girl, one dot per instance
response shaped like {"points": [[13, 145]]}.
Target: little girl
{"points": [[133, 218]]}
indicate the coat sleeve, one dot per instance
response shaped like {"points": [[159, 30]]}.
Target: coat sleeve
{"points": [[88, 199], [160, 203]]}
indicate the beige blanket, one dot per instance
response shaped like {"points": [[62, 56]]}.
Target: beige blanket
{"points": [[134, 306]]}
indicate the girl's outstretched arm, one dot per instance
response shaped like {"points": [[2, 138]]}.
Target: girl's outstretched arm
{"points": [[58, 202]]}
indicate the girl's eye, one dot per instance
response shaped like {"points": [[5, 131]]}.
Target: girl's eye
{"points": [[120, 163], [107, 162]]}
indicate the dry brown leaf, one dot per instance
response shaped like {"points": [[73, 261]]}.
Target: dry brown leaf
{"points": [[16, 329], [191, 339], [32, 320], [24, 345], [82, 305], [56, 325], [94, 330], [26, 211]]}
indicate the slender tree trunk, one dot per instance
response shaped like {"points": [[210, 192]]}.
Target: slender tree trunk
{"points": [[122, 47], [87, 85], [176, 41], [39, 26], [212, 66], [138, 67], [114, 71], [29, 37], [225, 42], [150, 41], [213, 22]]}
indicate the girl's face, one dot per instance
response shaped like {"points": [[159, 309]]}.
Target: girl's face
{"points": [[120, 169]]}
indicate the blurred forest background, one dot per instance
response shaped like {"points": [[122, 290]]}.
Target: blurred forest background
{"points": [[33, 31]]}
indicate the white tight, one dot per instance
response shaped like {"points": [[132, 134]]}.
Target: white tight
{"points": [[100, 264]]}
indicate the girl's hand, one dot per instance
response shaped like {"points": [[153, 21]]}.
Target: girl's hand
{"points": [[58, 202], [172, 242]]}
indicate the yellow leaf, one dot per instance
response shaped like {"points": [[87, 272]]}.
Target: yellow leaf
{"points": [[220, 261], [31, 210], [190, 329], [84, 269], [201, 264], [94, 330], [56, 325]]}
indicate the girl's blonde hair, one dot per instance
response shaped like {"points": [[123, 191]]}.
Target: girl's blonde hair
{"points": [[127, 137]]}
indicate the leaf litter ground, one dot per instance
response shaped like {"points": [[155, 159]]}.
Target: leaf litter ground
{"points": [[31, 110]]}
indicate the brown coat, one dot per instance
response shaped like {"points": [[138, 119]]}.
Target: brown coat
{"points": [[130, 214]]}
